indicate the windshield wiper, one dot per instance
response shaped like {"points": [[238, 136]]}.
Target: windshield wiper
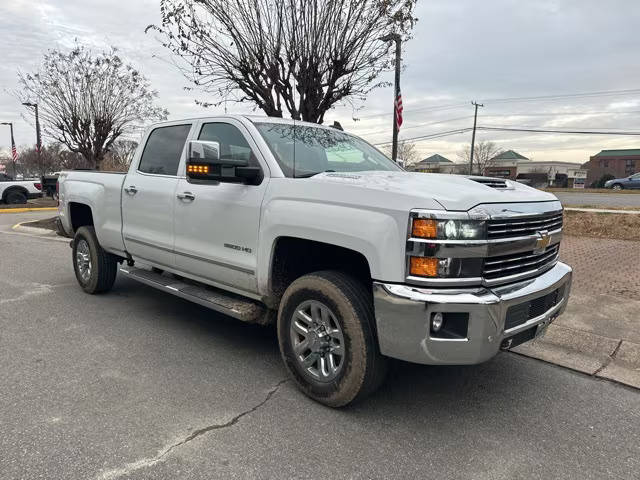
{"points": [[307, 175]]}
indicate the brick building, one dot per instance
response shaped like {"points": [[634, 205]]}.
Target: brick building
{"points": [[619, 163]]}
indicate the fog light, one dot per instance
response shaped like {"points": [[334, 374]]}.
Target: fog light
{"points": [[436, 321]]}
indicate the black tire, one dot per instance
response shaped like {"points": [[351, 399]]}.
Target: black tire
{"points": [[103, 266], [617, 186], [15, 197], [364, 368]]}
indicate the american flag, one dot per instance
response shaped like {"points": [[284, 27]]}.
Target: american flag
{"points": [[14, 152], [398, 109]]}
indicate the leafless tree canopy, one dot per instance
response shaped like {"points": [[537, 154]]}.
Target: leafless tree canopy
{"points": [[87, 101], [119, 157], [482, 155], [407, 153], [330, 49]]}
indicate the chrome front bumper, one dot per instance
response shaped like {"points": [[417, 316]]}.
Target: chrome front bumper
{"points": [[403, 317]]}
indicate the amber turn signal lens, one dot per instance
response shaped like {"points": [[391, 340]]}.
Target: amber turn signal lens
{"points": [[424, 266], [203, 169], [424, 228]]}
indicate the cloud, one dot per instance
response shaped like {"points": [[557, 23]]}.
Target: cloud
{"points": [[461, 51]]}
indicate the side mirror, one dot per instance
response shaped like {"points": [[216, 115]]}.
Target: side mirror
{"points": [[205, 164]]}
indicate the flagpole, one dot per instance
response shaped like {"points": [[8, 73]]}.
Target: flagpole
{"points": [[397, 105], [14, 153]]}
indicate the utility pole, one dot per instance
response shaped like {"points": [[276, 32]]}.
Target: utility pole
{"points": [[473, 135], [13, 149], [394, 37], [38, 138]]}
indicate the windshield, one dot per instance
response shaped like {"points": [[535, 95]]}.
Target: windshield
{"points": [[320, 150]]}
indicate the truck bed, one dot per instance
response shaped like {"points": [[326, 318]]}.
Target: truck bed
{"points": [[102, 192]]}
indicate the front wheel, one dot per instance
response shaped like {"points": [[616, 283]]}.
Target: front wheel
{"points": [[617, 186], [95, 269], [326, 332]]}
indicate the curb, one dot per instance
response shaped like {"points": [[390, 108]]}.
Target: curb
{"points": [[595, 355], [19, 229], [27, 209], [602, 210]]}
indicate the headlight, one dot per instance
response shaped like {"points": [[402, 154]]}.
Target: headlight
{"points": [[448, 229]]}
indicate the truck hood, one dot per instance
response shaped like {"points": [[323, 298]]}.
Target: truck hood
{"points": [[453, 192]]}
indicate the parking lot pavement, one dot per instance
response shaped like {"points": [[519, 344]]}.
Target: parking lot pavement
{"points": [[599, 199], [135, 384]]}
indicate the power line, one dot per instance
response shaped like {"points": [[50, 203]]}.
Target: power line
{"points": [[604, 93], [509, 129], [419, 125], [579, 132]]}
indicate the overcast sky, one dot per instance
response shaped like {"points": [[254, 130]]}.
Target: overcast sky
{"points": [[462, 50]]}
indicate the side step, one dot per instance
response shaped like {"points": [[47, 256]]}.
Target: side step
{"points": [[227, 303]]}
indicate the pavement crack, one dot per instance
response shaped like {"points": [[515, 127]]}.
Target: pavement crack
{"points": [[162, 453], [610, 358]]}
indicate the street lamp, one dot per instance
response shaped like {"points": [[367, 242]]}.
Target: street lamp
{"points": [[14, 153], [38, 144], [394, 37]]}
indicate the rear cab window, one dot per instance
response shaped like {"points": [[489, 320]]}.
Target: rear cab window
{"points": [[162, 152]]}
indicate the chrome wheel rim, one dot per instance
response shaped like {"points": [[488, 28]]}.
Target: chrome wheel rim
{"points": [[317, 341], [83, 260]]}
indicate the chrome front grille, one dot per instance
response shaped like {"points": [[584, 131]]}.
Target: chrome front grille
{"points": [[500, 268], [521, 227]]}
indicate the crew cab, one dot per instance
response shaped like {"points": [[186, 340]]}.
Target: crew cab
{"points": [[18, 191], [312, 229]]}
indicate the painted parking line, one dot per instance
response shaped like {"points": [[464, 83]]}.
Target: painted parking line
{"points": [[27, 209]]}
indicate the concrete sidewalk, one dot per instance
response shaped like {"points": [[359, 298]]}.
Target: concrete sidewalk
{"points": [[599, 333]]}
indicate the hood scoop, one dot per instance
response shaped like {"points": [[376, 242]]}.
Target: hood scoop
{"points": [[497, 183]]}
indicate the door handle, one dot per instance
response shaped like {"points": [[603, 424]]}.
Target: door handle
{"points": [[186, 196], [131, 190]]}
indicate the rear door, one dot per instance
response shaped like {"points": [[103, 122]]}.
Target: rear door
{"points": [[634, 181], [217, 223], [148, 197]]}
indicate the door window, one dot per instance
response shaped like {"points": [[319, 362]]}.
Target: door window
{"points": [[233, 145], [163, 150]]}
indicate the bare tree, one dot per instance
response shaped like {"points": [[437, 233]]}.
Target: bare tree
{"points": [[483, 154], [120, 156], [407, 153], [301, 56], [87, 101]]}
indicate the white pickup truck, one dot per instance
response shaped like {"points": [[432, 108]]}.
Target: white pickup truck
{"points": [[18, 191], [313, 229]]}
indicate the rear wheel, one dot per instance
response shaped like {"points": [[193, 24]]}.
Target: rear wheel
{"points": [[16, 197], [95, 269], [327, 338]]}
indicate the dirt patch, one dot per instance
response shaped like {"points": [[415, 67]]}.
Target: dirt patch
{"points": [[48, 223], [35, 203], [602, 225]]}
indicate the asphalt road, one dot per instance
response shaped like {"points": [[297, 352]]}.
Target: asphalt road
{"points": [[599, 199], [135, 384]]}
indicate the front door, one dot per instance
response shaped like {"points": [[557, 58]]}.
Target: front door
{"points": [[148, 197], [217, 223]]}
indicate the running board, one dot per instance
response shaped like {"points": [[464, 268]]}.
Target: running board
{"points": [[227, 303]]}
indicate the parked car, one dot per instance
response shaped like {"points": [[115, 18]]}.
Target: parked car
{"points": [[632, 181], [18, 191], [313, 229]]}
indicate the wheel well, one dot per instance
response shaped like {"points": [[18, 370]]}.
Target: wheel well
{"points": [[295, 257], [22, 190], [80, 214]]}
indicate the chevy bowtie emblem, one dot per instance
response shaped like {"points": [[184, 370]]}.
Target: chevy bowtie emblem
{"points": [[543, 241]]}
